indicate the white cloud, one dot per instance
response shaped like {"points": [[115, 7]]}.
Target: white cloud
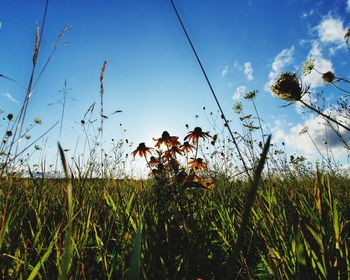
{"points": [[331, 31], [0, 24], [239, 92], [314, 79], [224, 71], [10, 97], [248, 71], [348, 5], [319, 134], [283, 59]]}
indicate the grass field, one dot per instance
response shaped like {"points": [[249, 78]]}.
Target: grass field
{"points": [[225, 204], [121, 228]]}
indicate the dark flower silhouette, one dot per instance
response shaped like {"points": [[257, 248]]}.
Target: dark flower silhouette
{"points": [[196, 134], [187, 147], [166, 139], [142, 150]]}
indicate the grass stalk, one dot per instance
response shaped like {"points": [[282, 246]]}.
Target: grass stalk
{"points": [[102, 116], [67, 257], [248, 206]]}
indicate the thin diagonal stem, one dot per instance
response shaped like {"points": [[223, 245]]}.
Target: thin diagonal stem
{"points": [[324, 115], [211, 89]]}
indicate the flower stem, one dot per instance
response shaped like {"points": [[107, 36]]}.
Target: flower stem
{"points": [[324, 115]]}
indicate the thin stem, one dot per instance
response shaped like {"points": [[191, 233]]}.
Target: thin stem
{"points": [[65, 91], [101, 112], [323, 115], [18, 124], [211, 89], [339, 88]]}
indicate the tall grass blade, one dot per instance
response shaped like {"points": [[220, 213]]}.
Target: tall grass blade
{"points": [[249, 204], [135, 257], [67, 243], [44, 257]]}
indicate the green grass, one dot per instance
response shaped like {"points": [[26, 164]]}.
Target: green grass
{"points": [[125, 228]]}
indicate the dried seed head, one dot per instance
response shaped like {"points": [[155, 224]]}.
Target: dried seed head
{"points": [[37, 121], [10, 117], [250, 95], [347, 36], [328, 77], [238, 107], [287, 87], [36, 45]]}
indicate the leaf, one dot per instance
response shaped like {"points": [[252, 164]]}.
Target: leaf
{"points": [[135, 257], [43, 258]]}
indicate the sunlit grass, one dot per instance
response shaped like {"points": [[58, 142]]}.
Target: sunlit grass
{"points": [[214, 206]]}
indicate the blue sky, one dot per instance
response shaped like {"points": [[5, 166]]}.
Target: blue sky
{"points": [[152, 75]]}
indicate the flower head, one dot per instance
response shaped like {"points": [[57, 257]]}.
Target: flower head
{"points": [[196, 134], [172, 165], [166, 139], [187, 147], [237, 107], [287, 87], [328, 77], [208, 184], [153, 161], [37, 121], [197, 163], [250, 95], [347, 36], [171, 153], [10, 117], [308, 67], [142, 150]]}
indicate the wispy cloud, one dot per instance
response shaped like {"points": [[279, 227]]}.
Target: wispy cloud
{"points": [[307, 14], [348, 5], [283, 59], [224, 71], [10, 97], [239, 92], [246, 68], [248, 71], [237, 65], [0, 24]]}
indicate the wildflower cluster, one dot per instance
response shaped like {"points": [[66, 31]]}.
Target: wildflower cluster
{"points": [[176, 161]]}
